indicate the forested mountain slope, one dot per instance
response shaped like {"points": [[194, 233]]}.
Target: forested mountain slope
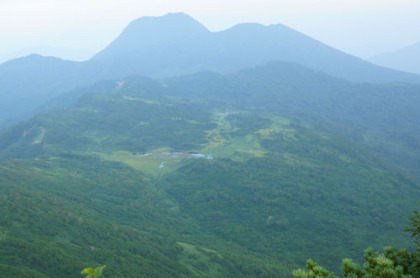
{"points": [[207, 175], [384, 117]]}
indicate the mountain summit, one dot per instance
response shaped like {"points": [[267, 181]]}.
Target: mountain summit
{"points": [[173, 45], [176, 44], [148, 32]]}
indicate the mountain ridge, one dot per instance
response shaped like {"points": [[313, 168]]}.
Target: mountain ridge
{"points": [[405, 59], [258, 44], [162, 47], [207, 175]]}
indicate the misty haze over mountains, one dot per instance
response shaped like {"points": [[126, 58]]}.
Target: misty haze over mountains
{"points": [[180, 152], [406, 59], [59, 52], [176, 44]]}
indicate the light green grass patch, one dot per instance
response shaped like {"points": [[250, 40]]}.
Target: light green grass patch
{"points": [[156, 162], [148, 101], [40, 136]]}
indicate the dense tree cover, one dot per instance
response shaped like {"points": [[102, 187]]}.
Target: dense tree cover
{"points": [[82, 186], [383, 117], [392, 263], [59, 215]]}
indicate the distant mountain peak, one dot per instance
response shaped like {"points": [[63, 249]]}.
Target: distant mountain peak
{"points": [[178, 22], [175, 44], [31, 59], [151, 30], [405, 59]]}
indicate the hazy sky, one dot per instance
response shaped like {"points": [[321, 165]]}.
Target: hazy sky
{"points": [[359, 27]]}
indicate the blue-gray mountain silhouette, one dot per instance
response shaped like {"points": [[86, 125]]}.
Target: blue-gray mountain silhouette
{"points": [[176, 44], [406, 59]]}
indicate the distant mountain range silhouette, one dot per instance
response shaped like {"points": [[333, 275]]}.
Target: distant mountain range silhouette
{"points": [[406, 59], [176, 44]]}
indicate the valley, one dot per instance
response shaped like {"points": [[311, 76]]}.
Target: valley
{"points": [[216, 157], [157, 179]]}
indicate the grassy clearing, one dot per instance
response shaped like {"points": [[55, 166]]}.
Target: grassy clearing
{"points": [[221, 144], [156, 162]]}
